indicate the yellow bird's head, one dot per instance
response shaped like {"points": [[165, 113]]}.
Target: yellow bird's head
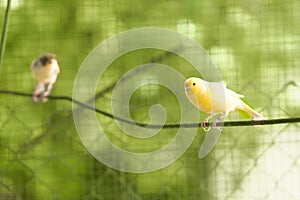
{"points": [[194, 85]]}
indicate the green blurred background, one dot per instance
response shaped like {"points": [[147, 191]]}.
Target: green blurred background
{"points": [[256, 47]]}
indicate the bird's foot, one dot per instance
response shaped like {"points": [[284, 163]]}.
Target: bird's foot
{"points": [[45, 99], [45, 96], [35, 98], [203, 125], [214, 125], [206, 120], [40, 96]]}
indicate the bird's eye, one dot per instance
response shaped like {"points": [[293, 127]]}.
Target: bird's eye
{"points": [[194, 83]]}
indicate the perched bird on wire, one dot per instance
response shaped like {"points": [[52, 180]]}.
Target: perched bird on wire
{"points": [[45, 70], [214, 98]]}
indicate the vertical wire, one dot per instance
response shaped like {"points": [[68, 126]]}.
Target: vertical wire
{"points": [[4, 33]]}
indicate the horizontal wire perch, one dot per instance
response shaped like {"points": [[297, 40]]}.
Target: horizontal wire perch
{"points": [[156, 126]]}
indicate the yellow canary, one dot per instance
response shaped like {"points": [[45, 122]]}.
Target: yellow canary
{"points": [[214, 98], [46, 70]]}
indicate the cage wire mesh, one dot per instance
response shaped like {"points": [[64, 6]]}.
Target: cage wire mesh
{"points": [[256, 47]]}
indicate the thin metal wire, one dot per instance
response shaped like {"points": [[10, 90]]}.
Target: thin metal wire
{"points": [[4, 32], [158, 126]]}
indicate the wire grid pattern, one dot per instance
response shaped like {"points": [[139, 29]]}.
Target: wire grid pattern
{"points": [[256, 48]]}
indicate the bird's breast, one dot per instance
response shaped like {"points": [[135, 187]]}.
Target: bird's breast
{"points": [[207, 102], [44, 74], [202, 101]]}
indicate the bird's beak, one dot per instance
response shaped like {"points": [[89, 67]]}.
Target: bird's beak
{"points": [[187, 88]]}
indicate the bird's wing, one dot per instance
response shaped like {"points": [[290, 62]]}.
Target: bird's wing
{"points": [[234, 94], [214, 84], [217, 89], [218, 86]]}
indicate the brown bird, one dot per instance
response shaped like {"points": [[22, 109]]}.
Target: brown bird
{"points": [[45, 70]]}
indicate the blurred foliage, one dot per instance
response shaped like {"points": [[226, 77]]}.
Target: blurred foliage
{"points": [[255, 45]]}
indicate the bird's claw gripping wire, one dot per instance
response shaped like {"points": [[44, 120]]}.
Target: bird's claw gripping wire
{"points": [[206, 120], [203, 125], [214, 125]]}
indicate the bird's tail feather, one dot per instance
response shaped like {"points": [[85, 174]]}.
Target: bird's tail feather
{"points": [[254, 115]]}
